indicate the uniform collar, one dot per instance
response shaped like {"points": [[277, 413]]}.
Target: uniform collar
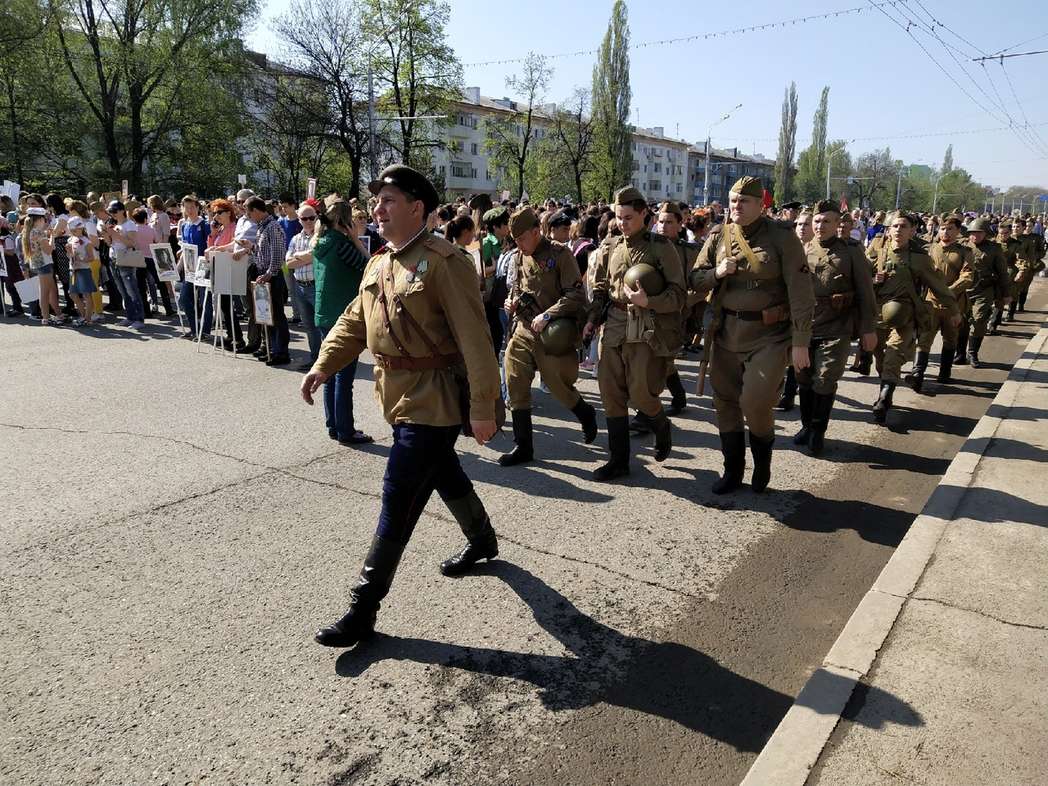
{"points": [[395, 251], [543, 246]]}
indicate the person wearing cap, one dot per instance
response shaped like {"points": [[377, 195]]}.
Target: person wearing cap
{"points": [[559, 227], [1032, 254], [81, 253], [420, 314], [37, 252], [790, 211], [901, 270], [844, 305], [991, 283], [547, 287], [1014, 259], [120, 232], [762, 319], [952, 259], [642, 330]]}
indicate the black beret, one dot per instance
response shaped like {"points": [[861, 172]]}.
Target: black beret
{"points": [[410, 181]]}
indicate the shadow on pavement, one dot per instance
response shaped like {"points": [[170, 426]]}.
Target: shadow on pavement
{"points": [[873, 523], [664, 679], [999, 507], [1014, 413], [1010, 448]]}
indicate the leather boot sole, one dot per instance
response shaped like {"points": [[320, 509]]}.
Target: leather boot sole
{"points": [[610, 471]]}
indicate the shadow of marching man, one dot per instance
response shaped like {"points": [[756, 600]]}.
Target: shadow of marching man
{"points": [[660, 678]]}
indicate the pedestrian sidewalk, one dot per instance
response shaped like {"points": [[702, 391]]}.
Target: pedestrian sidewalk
{"points": [[941, 674]]}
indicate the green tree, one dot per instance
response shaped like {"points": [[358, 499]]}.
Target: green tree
{"points": [[839, 161], [512, 137], [572, 141], [811, 163], [612, 132], [787, 146], [947, 160], [874, 179]]}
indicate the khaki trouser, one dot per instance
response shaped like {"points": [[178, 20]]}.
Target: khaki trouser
{"points": [[524, 356], [982, 307], [940, 324], [894, 349], [631, 374], [828, 358], [747, 386]]}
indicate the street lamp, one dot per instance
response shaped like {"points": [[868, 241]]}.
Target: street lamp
{"points": [[706, 178]]}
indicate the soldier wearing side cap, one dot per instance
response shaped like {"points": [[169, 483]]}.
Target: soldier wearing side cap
{"points": [[1009, 239], [642, 327], [844, 305], [548, 304], [900, 271], [990, 283], [1033, 256], [952, 259], [419, 312], [762, 305]]}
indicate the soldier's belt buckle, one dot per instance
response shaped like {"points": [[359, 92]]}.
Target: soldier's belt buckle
{"points": [[753, 283]]}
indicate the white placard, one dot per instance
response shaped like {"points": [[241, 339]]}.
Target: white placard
{"points": [[365, 241], [263, 301], [229, 275], [123, 190], [311, 188], [164, 259], [13, 190], [242, 179], [505, 196], [28, 289]]}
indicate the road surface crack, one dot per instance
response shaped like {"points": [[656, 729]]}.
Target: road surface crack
{"points": [[1002, 620]]}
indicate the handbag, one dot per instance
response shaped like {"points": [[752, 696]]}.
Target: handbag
{"points": [[130, 258]]}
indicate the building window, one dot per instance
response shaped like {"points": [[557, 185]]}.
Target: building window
{"points": [[658, 169], [459, 169], [654, 185], [473, 148]]}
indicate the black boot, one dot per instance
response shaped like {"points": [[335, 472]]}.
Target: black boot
{"points": [[960, 357], [945, 364], [820, 419], [376, 576], [915, 379], [789, 391], [807, 397], [676, 389], [1022, 300], [619, 448], [973, 351], [760, 449], [1011, 311], [587, 416], [663, 435], [641, 424], [733, 446], [522, 435], [481, 541], [865, 362], [884, 402]]}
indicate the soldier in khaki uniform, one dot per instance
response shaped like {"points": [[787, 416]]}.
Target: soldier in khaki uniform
{"points": [[762, 305], [547, 288], [990, 283], [900, 269], [863, 359], [844, 306], [1034, 250], [671, 225], [642, 331], [1012, 247], [419, 312], [952, 259]]}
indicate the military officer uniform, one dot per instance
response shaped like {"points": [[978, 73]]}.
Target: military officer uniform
{"points": [[637, 344], [420, 314], [548, 285], [759, 311], [898, 275], [953, 262], [845, 306], [990, 273]]}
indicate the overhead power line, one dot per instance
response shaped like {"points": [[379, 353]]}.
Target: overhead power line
{"points": [[703, 36], [1015, 54]]}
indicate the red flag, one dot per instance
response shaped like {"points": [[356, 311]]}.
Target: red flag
{"points": [[766, 200]]}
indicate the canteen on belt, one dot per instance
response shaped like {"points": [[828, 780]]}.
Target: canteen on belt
{"points": [[560, 337], [649, 279], [895, 313]]}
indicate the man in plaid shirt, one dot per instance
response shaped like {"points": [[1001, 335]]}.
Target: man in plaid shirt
{"points": [[269, 257]]}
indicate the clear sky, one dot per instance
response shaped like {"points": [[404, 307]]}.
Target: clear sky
{"points": [[881, 82]]}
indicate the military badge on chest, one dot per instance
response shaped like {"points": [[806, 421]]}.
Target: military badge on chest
{"points": [[418, 272]]}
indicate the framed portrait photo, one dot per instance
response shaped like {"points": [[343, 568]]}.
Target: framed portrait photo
{"points": [[164, 258], [262, 298]]}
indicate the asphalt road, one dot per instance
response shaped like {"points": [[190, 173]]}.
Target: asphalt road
{"points": [[177, 524]]}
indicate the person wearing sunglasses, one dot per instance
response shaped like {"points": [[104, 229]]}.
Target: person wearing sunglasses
{"points": [[299, 259]]}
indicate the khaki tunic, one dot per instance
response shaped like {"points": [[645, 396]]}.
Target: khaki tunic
{"points": [[1014, 250], [551, 275], [749, 358], [438, 285], [954, 264], [634, 368], [990, 283]]}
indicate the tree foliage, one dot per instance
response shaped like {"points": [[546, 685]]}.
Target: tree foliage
{"points": [[787, 146], [612, 140], [512, 139], [811, 163]]}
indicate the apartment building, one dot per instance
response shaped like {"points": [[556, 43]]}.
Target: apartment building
{"points": [[726, 166], [660, 165]]}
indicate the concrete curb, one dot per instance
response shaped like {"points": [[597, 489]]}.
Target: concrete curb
{"points": [[795, 747]]}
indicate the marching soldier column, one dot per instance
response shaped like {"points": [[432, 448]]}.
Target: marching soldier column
{"points": [[990, 285]]}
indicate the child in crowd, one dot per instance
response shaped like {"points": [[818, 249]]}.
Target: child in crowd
{"points": [[81, 256]]}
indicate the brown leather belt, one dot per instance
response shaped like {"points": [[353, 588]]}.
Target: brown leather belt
{"points": [[746, 316], [428, 363]]}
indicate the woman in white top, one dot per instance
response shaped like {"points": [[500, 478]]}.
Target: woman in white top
{"points": [[37, 250]]}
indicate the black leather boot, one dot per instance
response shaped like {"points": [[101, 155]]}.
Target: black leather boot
{"points": [[676, 389], [973, 351], [376, 576], [945, 364], [820, 420], [1022, 300], [995, 320], [641, 424], [1011, 311], [865, 362], [960, 357], [760, 449], [619, 448], [663, 435], [807, 398], [733, 446], [915, 379], [481, 541], [524, 450], [789, 391], [884, 402], [587, 416]]}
